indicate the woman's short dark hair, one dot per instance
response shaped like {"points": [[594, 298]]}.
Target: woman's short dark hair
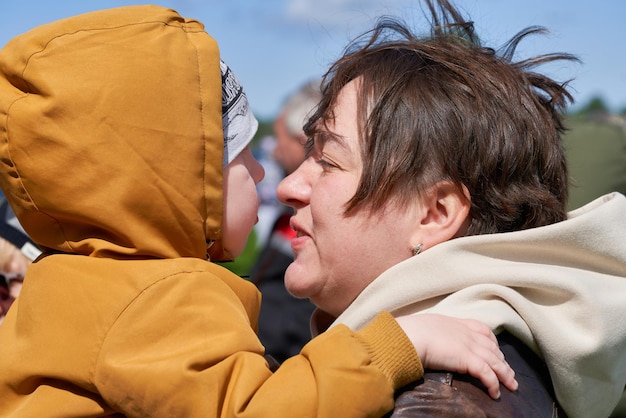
{"points": [[445, 108]]}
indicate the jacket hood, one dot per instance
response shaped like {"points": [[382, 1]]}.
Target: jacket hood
{"points": [[111, 139]]}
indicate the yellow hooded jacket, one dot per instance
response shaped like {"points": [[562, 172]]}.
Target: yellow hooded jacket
{"points": [[111, 151]]}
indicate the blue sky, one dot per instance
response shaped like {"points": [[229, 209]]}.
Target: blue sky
{"points": [[275, 45]]}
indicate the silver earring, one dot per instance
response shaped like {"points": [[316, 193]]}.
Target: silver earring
{"points": [[418, 249]]}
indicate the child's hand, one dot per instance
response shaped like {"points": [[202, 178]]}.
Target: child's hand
{"points": [[459, 345]]}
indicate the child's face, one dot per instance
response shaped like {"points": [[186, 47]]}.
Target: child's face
{"points": [[241, 203]]}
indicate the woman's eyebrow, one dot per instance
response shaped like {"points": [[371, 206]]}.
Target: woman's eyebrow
{"points": [[331, 137]]}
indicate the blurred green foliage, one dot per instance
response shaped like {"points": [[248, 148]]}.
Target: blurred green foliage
{"points": [[595, 144]]}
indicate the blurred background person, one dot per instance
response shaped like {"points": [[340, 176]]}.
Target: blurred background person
{"points": [[284, 319], [17, 251], [288, 127]]}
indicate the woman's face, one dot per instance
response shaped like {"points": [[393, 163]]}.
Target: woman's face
{"points": [[241, 203], [338, 255]]}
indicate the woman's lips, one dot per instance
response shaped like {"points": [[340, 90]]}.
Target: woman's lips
{"points": [[299, 241], [301, 237]]}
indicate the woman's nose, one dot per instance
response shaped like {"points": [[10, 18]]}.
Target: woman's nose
{"points": [[294, 190]]}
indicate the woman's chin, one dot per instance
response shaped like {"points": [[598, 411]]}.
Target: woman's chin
{"points": [[298, 283]]}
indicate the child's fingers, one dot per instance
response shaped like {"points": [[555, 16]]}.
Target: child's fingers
{"points": [[485, 372], [490, 366], [505, 374]]}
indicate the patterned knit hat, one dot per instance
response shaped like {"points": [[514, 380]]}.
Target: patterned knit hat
{"points": [[238, 122]]}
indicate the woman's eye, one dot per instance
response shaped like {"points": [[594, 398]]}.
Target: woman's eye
{"points": [[325, 164]]}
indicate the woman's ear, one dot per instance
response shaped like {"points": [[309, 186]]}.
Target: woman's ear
{"points": [[445, 214]]}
